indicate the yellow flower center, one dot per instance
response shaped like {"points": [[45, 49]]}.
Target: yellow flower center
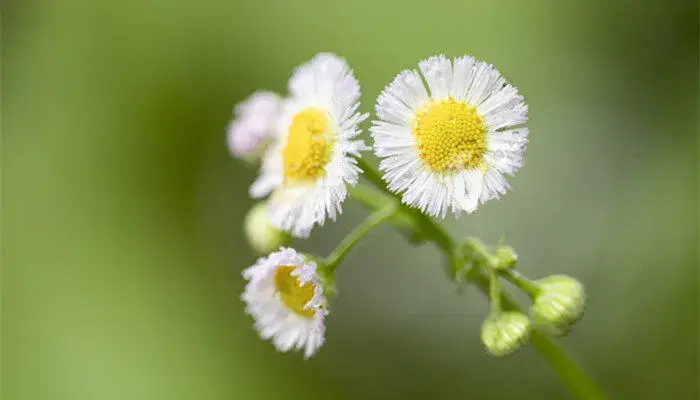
{"points": [[292, 294], [309, 146], [450, 135]]}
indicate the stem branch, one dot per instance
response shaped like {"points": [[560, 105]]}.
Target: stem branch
{"points": [[336, 257]]}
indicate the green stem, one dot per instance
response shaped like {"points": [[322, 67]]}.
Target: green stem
{"points": [[478, 247], [421, 223], [415, 225], [494, 293], [375, 200], [573, 377], [521, 282], [336, 257], [371, 174]]}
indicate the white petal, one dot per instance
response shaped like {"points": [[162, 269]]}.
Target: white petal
{"points": [[463, 73], [437, 71], [468, 189], [513, 140]]}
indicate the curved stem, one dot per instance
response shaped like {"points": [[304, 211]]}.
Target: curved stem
{"points": [[415, 225], [422, 223], [375, 200], [572, 376], [336, 257]]}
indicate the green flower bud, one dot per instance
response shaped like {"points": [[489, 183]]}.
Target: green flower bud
{"points": [[504, 258], [505, 332], [559, 304], [262, 236]]}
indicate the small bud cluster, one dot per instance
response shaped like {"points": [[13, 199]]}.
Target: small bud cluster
{"points": [[558, 302]]}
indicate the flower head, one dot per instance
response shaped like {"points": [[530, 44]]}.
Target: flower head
{"points": [[253, 125], [449, 145], [284, 295], [306, 170]]}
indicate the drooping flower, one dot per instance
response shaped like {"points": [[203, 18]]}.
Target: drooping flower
{"points": [[447, 146], [307, 168], [253, 125], [284, 295]]}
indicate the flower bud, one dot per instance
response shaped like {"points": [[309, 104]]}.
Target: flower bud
{"points": [[262, 236], [559, 304], [504, 258], [506, 332]]}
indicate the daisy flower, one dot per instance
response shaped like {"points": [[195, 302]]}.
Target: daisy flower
{"points": [[448, 143], [253, 125], [307, 168], [285, 297]]}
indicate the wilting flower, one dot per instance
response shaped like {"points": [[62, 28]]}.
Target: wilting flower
{"points": [[449, 145], [254, 124], [285, 296]]}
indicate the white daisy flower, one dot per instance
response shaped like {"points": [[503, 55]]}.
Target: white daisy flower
{"points": [[307, 168], [447, 144], [285, 296], [253, 125]]}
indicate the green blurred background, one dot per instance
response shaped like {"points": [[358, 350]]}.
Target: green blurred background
{"points": [[122, 211]]}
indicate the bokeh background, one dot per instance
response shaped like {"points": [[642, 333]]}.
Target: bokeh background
{"points": [[121, 210]]}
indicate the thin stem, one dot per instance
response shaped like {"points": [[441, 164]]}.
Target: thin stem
{"points": [[494, 293], [368, 196], [371, 174], [571, 374], [406, 217], [422, 223], [336, 257], [522, 282], [375, 200]]}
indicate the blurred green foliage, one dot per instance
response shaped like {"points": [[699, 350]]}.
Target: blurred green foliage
{"points": [[122, 211]]}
